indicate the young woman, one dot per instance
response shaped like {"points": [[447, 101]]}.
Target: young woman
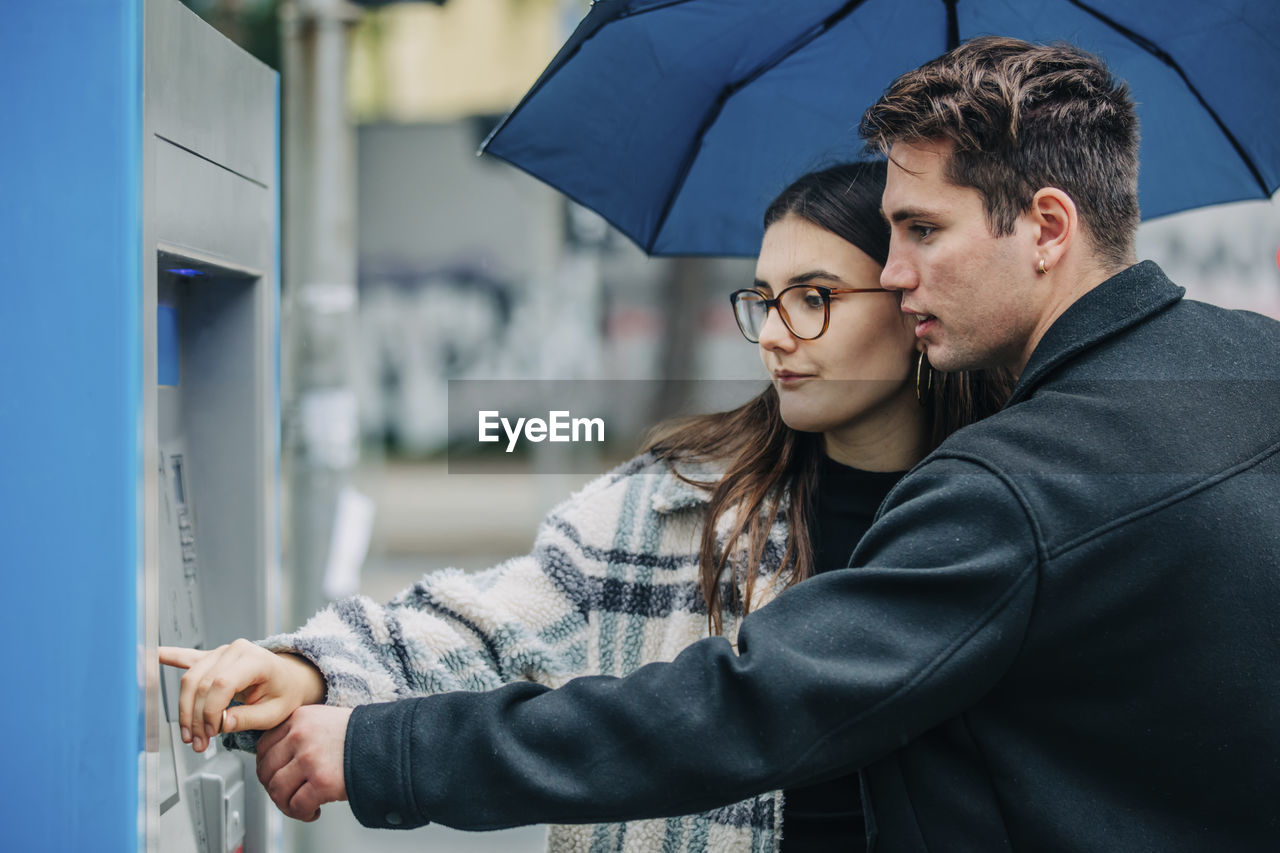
{"points": [[714, 518]]}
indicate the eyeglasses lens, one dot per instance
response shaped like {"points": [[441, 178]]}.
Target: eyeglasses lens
{"points": [[750, 311], [805, 310]]}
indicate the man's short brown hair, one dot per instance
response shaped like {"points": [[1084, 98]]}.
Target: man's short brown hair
{"points": [[1023, 117]]}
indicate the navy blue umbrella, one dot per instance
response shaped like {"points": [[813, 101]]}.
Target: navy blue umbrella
{"points": [[678, 120]]}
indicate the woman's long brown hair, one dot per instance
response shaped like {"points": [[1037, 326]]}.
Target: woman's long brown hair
{"points": [[764, 459]]}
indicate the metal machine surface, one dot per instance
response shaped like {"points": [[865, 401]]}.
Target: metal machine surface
{"points": [[210, 367]]}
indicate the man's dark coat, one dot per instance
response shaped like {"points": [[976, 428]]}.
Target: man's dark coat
{"points": [[1062, 634]]}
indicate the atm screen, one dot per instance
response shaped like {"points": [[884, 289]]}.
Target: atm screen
{"points": [[168, 371]]}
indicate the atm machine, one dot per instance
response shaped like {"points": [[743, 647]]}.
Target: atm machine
{"points": [[209, 403], [139, 417]]}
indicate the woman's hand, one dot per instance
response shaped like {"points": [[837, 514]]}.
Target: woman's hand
{"points": [[271, 685]]}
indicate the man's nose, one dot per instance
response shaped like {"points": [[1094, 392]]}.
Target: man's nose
{"points": [[897, 273]]}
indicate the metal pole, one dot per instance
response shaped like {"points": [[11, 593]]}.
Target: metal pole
{"points": [[321, 425]]}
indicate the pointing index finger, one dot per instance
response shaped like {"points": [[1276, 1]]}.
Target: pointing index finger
{"points": [[180, 657]]}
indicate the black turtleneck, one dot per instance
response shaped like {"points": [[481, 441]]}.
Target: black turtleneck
{"points": [[828, 815]]}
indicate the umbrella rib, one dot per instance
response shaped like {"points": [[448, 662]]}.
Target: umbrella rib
{"points": [[723, 98], [1163, 56]]}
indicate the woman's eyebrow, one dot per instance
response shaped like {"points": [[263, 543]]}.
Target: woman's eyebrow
{"points": [[802, 278], [812, 274]]}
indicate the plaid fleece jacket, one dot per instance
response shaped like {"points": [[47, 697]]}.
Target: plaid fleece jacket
{"points": [[611, 585]]}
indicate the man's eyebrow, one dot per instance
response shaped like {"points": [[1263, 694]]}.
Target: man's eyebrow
{"points": [[905, 214]]}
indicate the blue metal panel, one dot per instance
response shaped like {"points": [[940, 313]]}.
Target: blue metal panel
{"points": [[70, 412], [168, 344]]}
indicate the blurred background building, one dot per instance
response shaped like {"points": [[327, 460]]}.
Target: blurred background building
{"points": [[467, 268]]}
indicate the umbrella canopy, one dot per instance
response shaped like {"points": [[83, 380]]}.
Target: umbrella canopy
{"points": [[679, 120]]}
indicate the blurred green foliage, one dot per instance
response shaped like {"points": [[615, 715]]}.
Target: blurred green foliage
{"points": [[252, 24]]}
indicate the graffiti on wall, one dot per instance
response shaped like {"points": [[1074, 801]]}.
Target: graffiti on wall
{"points": [[1226, 255], [417, 329]]}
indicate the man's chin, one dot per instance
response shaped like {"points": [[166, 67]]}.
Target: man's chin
{"points": [[949, 361], [942, 358]]}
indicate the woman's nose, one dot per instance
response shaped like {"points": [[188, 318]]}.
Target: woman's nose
{"points": [[774, 334]]}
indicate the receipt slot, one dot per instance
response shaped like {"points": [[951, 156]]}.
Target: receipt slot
{"points": [[138, 419]]}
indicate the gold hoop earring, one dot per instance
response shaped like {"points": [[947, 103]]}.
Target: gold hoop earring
{"points": [[924, 381], [1042, 269]]}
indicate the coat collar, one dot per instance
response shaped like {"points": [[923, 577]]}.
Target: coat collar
{"points": [[672, 493], [1122, 301]]}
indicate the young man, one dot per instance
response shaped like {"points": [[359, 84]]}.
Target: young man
{"points": [[1061, 634]]}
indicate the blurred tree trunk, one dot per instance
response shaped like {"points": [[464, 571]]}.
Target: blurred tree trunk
{"points": [[678, 342]]}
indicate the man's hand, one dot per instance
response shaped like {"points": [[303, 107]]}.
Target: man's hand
{"points": [[300, 761], [270, 685]]}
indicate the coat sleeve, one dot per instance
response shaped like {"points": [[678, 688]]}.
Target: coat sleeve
{"points": [[834, 673]]}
